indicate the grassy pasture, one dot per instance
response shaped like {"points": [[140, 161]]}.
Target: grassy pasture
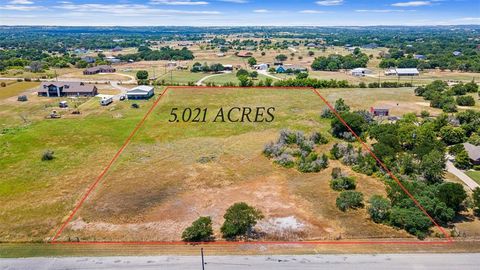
{"points": [[14, 88]]}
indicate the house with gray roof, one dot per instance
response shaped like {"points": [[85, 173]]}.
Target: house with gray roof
{"points": [[473, 153], [65, 89]]}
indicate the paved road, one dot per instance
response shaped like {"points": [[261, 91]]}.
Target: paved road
{"points": [[461, 175], [462, 261]]}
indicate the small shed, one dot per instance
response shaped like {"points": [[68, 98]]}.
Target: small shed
{"points": [[379, 111]]}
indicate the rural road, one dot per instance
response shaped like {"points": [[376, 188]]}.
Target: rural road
{"points": [[461, 175], [462, 261], [200, 82]]}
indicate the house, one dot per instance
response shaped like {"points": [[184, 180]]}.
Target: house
{"points": [[473, 153], [402, 72], [419, 57], [185, 44], [117, 49], [289, 67], [63, 89], [112, 59], [261, 66], [379, 111], [457, 53], [360, 72], [370, 46], [244, 54], [99, 69], [140, 92], [88, 59], [220, 54], [227, 67], [311, 45]]}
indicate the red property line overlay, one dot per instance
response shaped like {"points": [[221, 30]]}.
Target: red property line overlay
{"points": [[140, 124]]}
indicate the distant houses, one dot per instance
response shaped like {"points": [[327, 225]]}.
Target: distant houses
{"points": [[419, 57], [65, 89], [402, 72], [88, 59], [360, 72], [290, 68], [112, 59], [379, 111], [141, 92], [117, 49], [99, 69]]}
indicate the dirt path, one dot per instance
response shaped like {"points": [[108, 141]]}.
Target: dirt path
{"points": [[265, 72], [200, 82]]}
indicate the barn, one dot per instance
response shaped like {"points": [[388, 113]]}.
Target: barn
{"points": [[141, 92]]}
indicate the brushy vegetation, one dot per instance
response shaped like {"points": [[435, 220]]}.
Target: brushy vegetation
{"points": [[294, 149], [441, 95]]}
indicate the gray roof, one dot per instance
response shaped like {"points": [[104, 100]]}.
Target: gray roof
{"points": [[472, 150], [406, 71], [68, 87]]}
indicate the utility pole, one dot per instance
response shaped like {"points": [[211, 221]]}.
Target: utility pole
{"points": [[203, 262]]}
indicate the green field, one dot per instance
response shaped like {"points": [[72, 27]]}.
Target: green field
{"points": [[15, 88]]}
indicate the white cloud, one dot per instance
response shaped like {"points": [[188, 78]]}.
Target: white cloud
{"points": [[21, 2], [412, 4], [178, 2], [129, 10], [468, 20], [20, 7], [330, 2], [381, 10], [261, 10], [311, 11]]}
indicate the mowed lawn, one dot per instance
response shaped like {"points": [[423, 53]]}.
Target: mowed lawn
{"points": [[475, 175], [15, 88]]}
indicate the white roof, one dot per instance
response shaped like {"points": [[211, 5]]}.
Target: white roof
{"points": [[360, 69], [406, 70], [140, 90]]}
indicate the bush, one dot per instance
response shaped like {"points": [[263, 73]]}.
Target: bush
{"points": [[47, 155], [285, 160], [476, 200], [349, 199], [337, 173], [135, 106], [462, 161], [240, 218], [22, 98], [318, 138], [379, 208], [200, 231], [312, 163], [3, 84], [343, 183], [465, 101]]}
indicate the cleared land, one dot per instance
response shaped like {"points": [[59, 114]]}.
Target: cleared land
{"points": [[173, 172]]}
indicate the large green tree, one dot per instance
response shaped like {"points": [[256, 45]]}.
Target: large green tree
{"points": [[200, 231], [240, 218]]}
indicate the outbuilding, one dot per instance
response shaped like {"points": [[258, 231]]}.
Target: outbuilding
{"points": [[360, 72], [141, 92], [379, 111]]}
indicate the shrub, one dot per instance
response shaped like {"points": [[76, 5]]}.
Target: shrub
{"points": [[135, 106], [318, 138], [312, 163], [47, 155], [285, 160], [240, 218], [200, 231], [273, 149], [3, 84], [349, 199], [343, 183], [379, 208], [22, 98], [465, 101], [337, 173]]}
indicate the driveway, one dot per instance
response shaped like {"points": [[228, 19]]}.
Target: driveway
{"points": [[200, 82], [461, 175]]}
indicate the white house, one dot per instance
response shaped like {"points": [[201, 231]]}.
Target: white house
{"points": [[360, 72], [261, 66], [140, 92]]}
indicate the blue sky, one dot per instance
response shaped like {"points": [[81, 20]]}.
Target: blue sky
{"points": [[238, 12]]}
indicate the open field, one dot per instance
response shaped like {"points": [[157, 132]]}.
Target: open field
{"points": [[15, 88], [161, 183]]}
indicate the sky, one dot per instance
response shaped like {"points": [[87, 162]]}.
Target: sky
{"points": [[238, 12]]}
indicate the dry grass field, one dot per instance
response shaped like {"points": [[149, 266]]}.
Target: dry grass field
{"points": [[171, 173]]}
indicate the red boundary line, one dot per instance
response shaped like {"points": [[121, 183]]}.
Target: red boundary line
{"points": [[140, 124]]}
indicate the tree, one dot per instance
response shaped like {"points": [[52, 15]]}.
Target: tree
{"points": [[200, 231], [343, 183], [462, 161], [349, 199], [252, 61], [311, 53], [433, 166], [281, 57], [242, 72], [253, 74], [412, 220], [142, 75], [356, 122], [240, 218], [36, 66], [379, 208], [452, 135], [476, 200], [302, 75], [452, 194]]}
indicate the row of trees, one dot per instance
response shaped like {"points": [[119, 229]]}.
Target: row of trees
{"points": [[336, 62], [239, 221], [447, 98]]}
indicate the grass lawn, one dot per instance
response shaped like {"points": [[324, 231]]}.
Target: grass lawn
{"points": [[475, 175], [15, 88]]}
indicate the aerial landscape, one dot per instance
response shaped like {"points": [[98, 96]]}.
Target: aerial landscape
{"points": [[239, 128]]}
